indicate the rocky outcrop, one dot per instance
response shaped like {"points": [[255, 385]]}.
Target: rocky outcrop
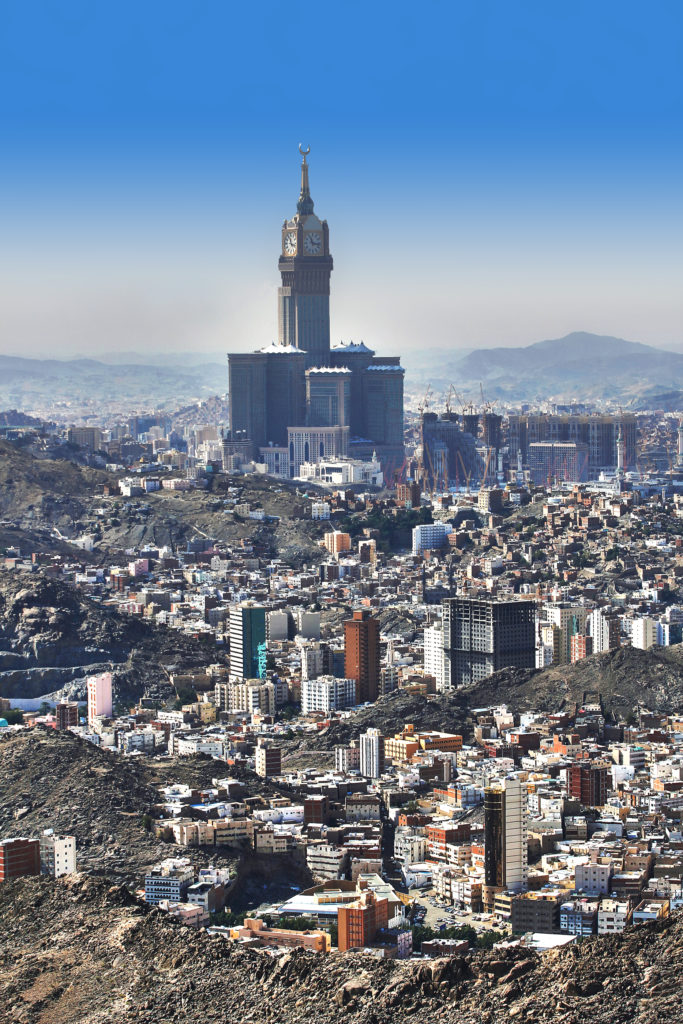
{"points": [[51, 636], [78, 950]]}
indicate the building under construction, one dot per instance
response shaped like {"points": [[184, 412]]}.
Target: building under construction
{"points": [[597, 433], [449, 453]]}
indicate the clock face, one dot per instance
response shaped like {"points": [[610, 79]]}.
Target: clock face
{"points": [[289, 243], [313, 243]]}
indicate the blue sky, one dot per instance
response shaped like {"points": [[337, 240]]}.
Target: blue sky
{"points": [[492, 173]]}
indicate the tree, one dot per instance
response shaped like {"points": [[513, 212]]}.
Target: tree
{"points": [[14, 716]]}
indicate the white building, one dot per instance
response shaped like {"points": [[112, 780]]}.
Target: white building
{"points": [[99, 697], [644, 633], [341, 472], [327, 693], [320, 510], [371, 753], [57, 854], [613, 916], [429, 536], [435, 663]]}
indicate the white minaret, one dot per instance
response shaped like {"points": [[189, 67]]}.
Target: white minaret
{"points": [[620, 453]]}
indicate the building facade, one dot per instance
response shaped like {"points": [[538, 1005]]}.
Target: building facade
{"points": [[284, 395], [482, 636]]}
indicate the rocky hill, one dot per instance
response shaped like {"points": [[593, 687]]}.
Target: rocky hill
{"points": [[624, 680], [56, 780], [51, 636], [77, 951]]}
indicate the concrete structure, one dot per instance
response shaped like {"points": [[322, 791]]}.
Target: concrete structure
{"points": [[361, 654], [169, 880], [99, 697], [587, 782], [326, 693], [57, 854], [435, 662], [505, 829], [482, 636], [359, 922], [430, 536], [268, 761], [644, 633], [247, 641], [253, 931], [66, 714], [371, 745], [558, 462]]}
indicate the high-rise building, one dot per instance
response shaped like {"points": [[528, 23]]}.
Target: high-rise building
{"points": [[359, 922], [570, 619], [99, 697], [505, 836], [581, 647], [328, 396], [587, 782], [643, 632], [599, 434], [247, 641], [283, 394], [371, 753], [482, 636], [435, 663], [605, 630], [558, 462], [361, 654]]}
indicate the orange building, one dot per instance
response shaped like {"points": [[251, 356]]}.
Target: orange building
{"points": [[361, 654], [254, 929], [404, 745], [359, 922]]}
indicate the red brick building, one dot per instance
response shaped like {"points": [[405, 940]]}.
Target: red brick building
{"points": [[587, 782], [19, 857]]}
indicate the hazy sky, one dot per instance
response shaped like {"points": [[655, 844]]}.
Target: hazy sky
{"points": [[492, 172]]}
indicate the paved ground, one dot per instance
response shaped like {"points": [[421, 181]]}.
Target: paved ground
{"points": [[436, 916]]}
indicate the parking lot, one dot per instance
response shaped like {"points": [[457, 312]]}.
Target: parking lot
{"points": [[437, 914]]}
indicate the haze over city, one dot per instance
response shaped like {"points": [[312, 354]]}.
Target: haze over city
{"points": [[492, 175]]}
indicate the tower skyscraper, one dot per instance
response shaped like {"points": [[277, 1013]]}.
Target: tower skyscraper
{"points": [[298, 400], [305, 268], [505, 835]]}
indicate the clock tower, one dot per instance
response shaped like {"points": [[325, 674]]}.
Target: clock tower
{"points": [[305, 267]]}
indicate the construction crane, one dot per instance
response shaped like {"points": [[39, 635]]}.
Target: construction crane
{"points": [[489, 452], [424, 404], [464, 471]]}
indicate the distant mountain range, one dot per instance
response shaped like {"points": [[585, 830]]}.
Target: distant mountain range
{"points": [[31, 384], [580, 366]]}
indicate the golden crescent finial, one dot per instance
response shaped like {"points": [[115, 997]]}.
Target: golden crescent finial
{"points": [[304, 152]]}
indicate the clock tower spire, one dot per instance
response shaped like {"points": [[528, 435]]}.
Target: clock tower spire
{"points": [[305, 267]]}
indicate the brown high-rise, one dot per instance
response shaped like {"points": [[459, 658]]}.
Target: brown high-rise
{"points": [[361, 654], [587, 782]]}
